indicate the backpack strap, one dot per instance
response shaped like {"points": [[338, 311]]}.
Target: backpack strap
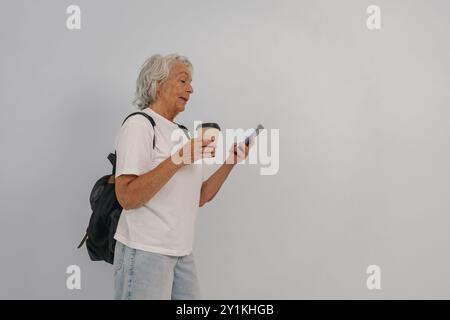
{"points": [[148, 118], [185, 130], [83, 241], [112, 157]]}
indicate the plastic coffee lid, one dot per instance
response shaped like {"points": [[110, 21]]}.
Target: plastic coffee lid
{"points": [[208, 125]]}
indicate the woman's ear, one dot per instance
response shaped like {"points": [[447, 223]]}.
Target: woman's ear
{"points": [[158, 88]]}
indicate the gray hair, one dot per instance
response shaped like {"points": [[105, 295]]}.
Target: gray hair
{"points": [[154, 71]]}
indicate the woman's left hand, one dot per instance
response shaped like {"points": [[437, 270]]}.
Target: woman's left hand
{"points": [[239, 153]]}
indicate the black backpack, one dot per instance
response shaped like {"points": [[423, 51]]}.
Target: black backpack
{"points": [[106, 210]]}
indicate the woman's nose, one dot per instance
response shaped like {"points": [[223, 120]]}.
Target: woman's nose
{"points": [[190, 89]]}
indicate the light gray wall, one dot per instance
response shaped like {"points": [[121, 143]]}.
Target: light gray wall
{"points": [[364, 127]]}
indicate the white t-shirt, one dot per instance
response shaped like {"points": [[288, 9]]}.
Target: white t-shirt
{"points": [[165, 224]]}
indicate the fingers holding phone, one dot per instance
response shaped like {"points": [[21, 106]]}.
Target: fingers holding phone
{"points": [[239, 152]]}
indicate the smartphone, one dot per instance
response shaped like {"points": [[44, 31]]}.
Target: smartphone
{"points": [[253, 135]]}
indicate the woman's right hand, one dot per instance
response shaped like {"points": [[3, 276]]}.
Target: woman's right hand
{"points": [[193, 150]]}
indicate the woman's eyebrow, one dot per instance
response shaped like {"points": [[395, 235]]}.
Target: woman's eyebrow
{"points": [[185, 73]]}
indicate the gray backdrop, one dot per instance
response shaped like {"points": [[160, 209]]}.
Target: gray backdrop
{"points": [[363, 118]]}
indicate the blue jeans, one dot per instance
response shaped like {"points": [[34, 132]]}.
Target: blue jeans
{"points": [[153, 276]]}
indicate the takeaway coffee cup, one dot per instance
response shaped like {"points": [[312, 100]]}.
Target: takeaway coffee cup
{"points": [[209, 130]]}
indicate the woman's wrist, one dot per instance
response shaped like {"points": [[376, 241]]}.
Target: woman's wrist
{"points": [[230, 161], [177, 159]]}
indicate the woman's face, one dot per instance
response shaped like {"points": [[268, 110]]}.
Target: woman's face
{"points": [[175, 91]]}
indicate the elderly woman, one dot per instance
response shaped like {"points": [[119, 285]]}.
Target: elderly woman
{"points": [[160, 191]]}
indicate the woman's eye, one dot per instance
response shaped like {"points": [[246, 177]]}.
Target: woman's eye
{"points": [[184, 81]]}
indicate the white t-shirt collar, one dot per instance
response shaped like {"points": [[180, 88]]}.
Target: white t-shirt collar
{"points": [[160, 117]]}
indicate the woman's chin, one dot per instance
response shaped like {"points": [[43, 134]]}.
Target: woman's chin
{"points": [[181, 107]]}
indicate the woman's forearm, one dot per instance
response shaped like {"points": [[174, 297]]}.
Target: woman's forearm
{"points": [[143, 188], [213, 184]]}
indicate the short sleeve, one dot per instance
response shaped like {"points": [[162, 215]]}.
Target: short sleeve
{"points": [[134, 146]]}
